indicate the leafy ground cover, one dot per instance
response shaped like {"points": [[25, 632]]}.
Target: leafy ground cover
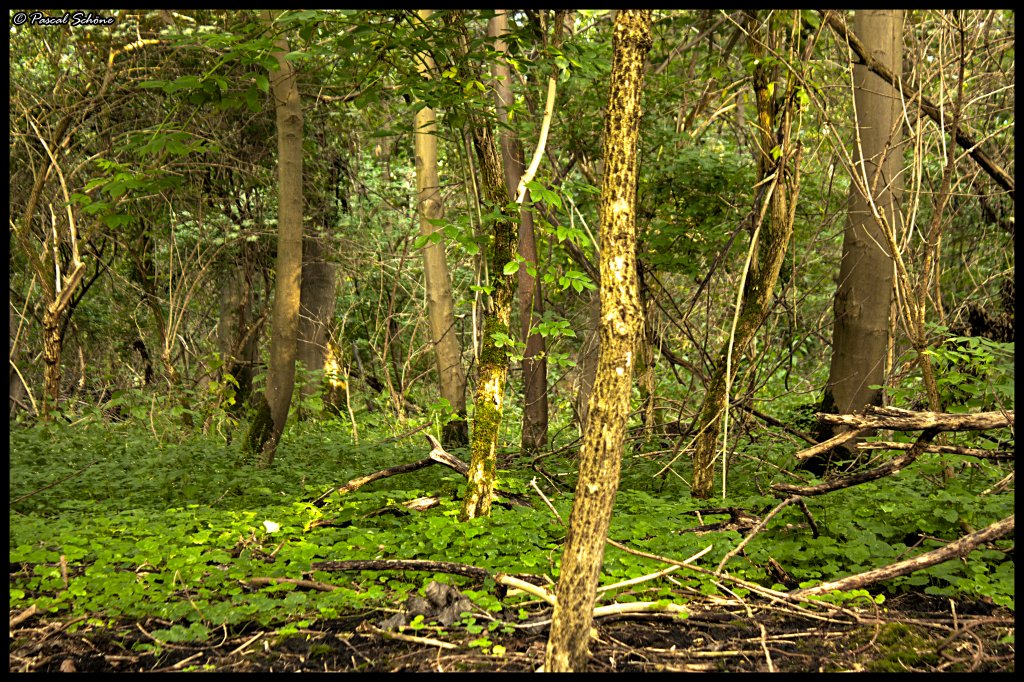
{"points": [[141, 551]]}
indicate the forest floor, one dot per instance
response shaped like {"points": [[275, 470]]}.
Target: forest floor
{"points": [[908, 633]]}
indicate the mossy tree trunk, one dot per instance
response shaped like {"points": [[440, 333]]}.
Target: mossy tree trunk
{"points": [[440, 304], [488, 404], [776, 154], [269, 422], [621, 325]]}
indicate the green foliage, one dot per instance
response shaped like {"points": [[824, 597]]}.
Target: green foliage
{"points": [[177, 531]]}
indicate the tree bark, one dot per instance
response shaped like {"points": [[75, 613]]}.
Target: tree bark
{"points": [[621, 323], [860, 333], [270, 419], [440, 304], [531, 306]]}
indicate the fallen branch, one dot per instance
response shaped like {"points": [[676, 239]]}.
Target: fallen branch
{"points": [[308, 584], [23, 616], [437, 456], [886, 469], [365, 626], [944, 449], [953, 550], [907, 420], [402, 565]]}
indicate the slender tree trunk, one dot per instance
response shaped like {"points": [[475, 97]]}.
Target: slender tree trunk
{"points": [[489, 402], [270, 419], [621, 323], [451, 374], [860, 333], [772, 237], [531, 303]]}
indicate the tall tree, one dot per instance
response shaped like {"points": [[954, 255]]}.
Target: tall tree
{"points": [[440, 305], [531, 302], [778, 161], [269, 422], [621, 322], [860, 332]]}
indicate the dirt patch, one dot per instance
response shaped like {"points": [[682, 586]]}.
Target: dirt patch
{"points": [[916, 633]]}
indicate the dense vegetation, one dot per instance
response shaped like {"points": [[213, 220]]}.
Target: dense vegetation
{"points": [[145, 244]]}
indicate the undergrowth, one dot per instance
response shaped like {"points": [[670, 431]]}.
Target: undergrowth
{"points": [[133, 526]]}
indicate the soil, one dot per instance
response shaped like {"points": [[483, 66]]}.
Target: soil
{"points": [[909, 633]]}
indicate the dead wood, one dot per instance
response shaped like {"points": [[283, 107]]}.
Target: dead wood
{"points": [[953, 550], [886, 469], [908, 420], [437, 456], [904, 420], [945, 449]]}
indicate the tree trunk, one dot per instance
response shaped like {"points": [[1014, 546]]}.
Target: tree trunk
{"points": [[769, 249], [621, 323], [440, 305], [531, 305], [316, 311], [238, 334], [270, 419], [489, 402], [860, 334]]}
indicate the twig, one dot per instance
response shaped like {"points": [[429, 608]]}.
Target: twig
{"points": [[642, 579], [755, 530], [544, 497], [47, 487], [180, 664], [406, 434], [245, 644], [308, 584], [365, 626], [810, 519], [23, 616]]}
